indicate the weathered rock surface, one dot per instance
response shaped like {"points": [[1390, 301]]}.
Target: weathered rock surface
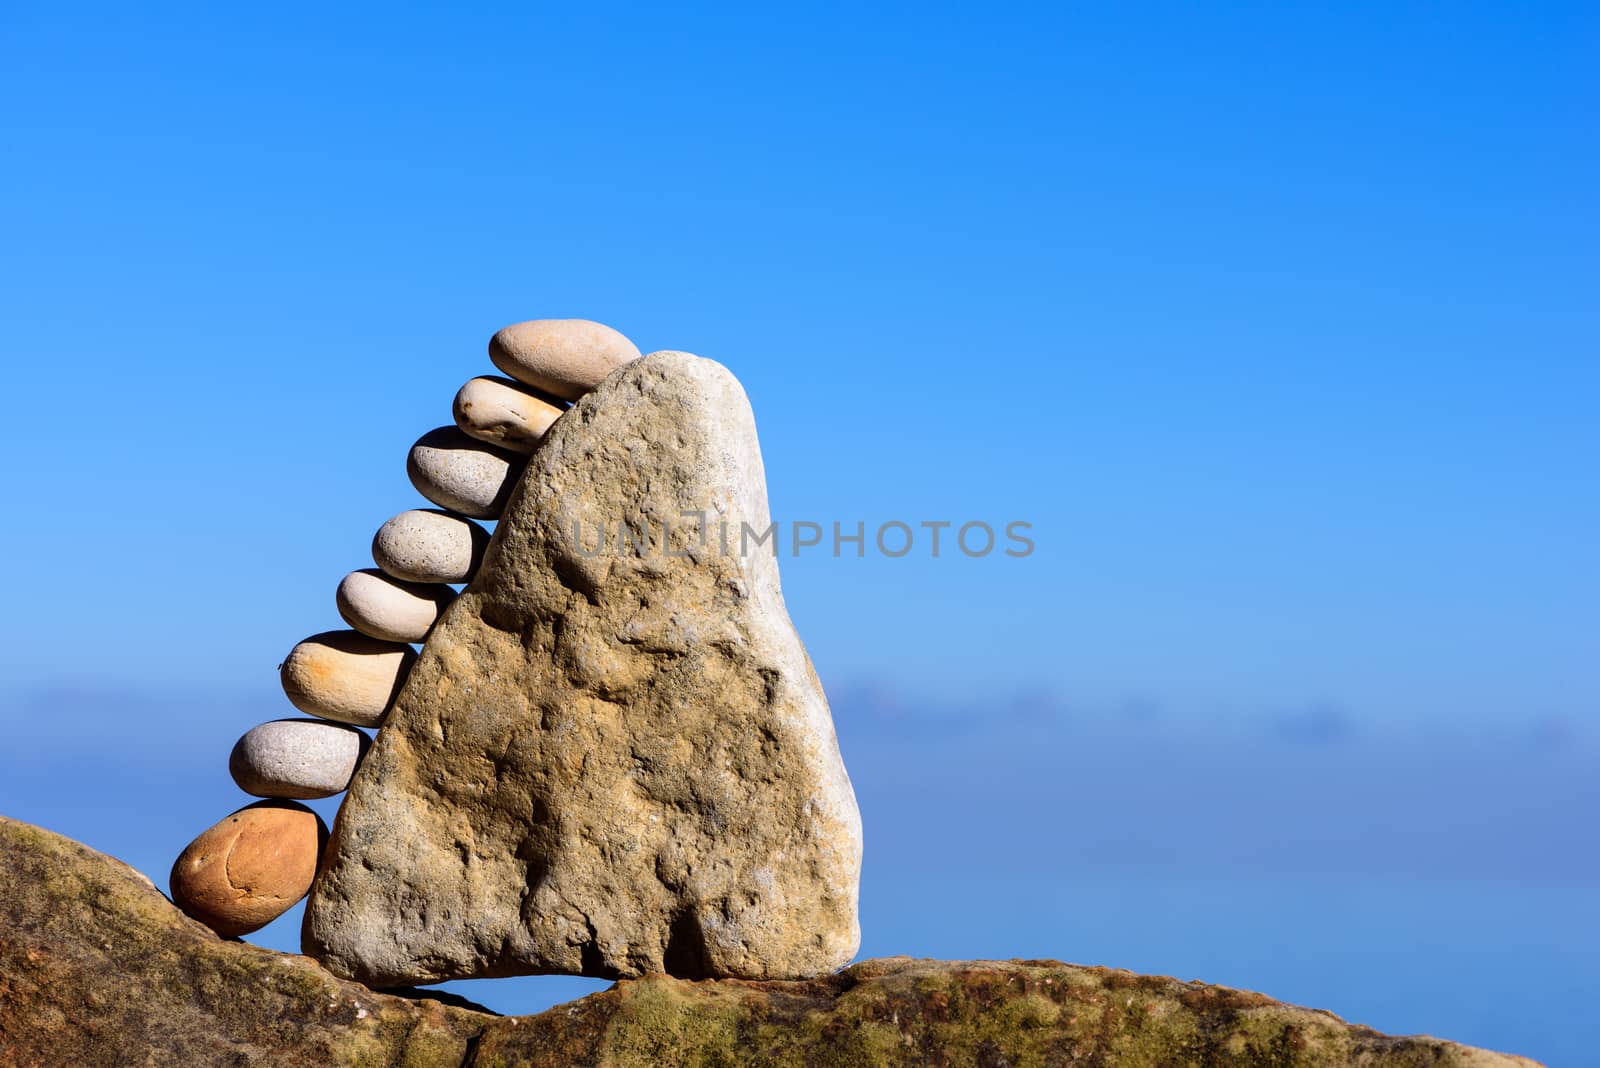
{"points": [[607, 763], [97, 969]]}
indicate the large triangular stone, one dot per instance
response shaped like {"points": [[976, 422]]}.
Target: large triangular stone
{"points": [[608, 762]]}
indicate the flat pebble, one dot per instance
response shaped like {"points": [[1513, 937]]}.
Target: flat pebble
{"points": [[565, 357], [296, 758], [499, 411], [461, 473], [387, 608], [424, 545], [345, 676], [247, 870]]}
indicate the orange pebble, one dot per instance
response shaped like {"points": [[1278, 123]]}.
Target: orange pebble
{"points": [[250, 868]]}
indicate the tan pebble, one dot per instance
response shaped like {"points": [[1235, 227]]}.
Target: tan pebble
{"points": [[249, 869], [424, 545], [461, 473], [499, 411], [345, 676], [566, 357], [389, 609]]}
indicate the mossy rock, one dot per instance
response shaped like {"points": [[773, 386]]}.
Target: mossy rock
{"points": [[98, 968]]}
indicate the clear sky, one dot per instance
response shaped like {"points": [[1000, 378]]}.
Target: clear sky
{"points": [[1276, 322]]}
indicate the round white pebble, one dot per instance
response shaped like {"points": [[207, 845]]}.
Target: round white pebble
{"points": [[387, 608], [499, 411], [296, 758], [423, 545], [460, 473]]}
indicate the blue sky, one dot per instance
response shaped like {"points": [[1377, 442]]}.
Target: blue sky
{"points": [[1277, 322]]}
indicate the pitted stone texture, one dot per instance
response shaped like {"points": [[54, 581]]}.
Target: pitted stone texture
{"points": [[607, 763]]}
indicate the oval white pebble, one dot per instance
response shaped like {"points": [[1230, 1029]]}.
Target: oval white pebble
{"points": [[566, 357], [423, 545], [458, 472], [296, 758], [345, 676], [499, 411], [383, 607]]}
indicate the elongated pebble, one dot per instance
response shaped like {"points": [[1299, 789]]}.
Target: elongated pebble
{"points": [[245, 871], [296, 758], [424, 545], [501, 412], [566, 357], [461, 473], [387, 608], [345, 676]]}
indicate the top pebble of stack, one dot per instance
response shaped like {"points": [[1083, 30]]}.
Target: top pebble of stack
{"points": [[563, 357]]}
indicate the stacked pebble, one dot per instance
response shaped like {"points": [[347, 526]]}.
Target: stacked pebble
{"points": [[250, 868]]}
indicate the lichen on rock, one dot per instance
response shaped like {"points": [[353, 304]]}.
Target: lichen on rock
{"points": [[98, 969]]}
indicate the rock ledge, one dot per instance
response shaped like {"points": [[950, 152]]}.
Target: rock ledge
{"points": [[98, 968]]}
